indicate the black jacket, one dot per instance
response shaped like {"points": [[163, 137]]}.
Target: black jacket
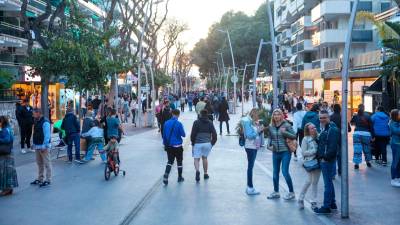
{"points": [[328, 143], [203, 131], [223, 111], [70, 124], [26, 115]]}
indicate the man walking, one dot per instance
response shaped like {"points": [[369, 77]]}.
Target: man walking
{"points": [[200, 105], [96, 105], [41, 144], [26, 121], [72, 129], [328, 145], [203, 138], [173, 143]]}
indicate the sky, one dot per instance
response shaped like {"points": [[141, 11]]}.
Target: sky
{"points": [[201, 14]]}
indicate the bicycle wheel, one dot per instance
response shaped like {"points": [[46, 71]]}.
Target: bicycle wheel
{"points": [[107, 172]]}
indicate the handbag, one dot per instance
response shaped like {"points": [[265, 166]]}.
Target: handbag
{"points": [[292, 144], [242, 140], [311, 165], [5, 149]]}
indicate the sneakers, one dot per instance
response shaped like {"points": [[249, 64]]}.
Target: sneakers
{"points": [[322, 210], [313, 205], [79, 161], [252, 191], [36, 182], [197, 176], [180, 179], [274, 195], [369, 164], [206, 177], [301, 204], [333, 206], [23, 151], [44, 184], [384, 163], [31, 150], [395, 183], [289, 196], [165, 180], [356, 167]]}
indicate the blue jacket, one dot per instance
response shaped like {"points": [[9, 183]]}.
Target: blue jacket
{"points": [[311, 117], [71, 124], [394, 132], [177, 133], [6, 135], [328, 143], [380, 122]]}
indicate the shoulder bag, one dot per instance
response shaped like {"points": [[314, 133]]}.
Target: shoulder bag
{"points": [[311, 165], [166, 147]]}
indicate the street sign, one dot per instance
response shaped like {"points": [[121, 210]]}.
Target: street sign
{"points": [[145, 89], [234, 79]]}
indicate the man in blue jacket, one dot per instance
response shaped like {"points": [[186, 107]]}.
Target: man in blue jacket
{"points": [[328, 147], [172, 139], [380, 123], [72, 129], [311, 117]]}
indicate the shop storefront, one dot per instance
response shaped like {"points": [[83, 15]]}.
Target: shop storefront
{"points": [[290, 82], [358, 81], [30, 88], [312, 85]]}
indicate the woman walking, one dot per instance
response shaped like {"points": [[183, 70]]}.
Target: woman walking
{"points": [[279, 131], [380, 123], [309, 148], [251, 131], [8, 174], [203, 138], [223, 115], [395, 145], [362, 137]]}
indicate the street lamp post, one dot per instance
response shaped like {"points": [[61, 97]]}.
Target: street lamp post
{"points": [[234, 70], [262, 43], [344, 141], [274, 57]]}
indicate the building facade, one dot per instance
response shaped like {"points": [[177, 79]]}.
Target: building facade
{"points": [[311, 42]]}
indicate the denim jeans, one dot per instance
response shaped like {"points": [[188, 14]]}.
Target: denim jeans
{"points": [[395, 168], [251, 158], [190, 106], [283, 158], [361, 144], [76, 140], [329, 192], [99, 147]]}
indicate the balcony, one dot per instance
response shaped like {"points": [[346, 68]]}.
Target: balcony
{"points": [[328, 9], [329, 37], [12, 30], [362, 36], [365, 60], [330, 64]]}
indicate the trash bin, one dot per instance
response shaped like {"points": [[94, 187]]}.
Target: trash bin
{"points": [[230, 104]]}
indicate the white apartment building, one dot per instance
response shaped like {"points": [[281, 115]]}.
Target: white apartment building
{"points": [[311, 36]]}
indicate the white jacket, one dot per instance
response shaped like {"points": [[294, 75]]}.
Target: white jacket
{"points": [[297, 119]]}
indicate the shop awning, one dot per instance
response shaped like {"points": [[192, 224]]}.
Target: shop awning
{"points": [[355, 74], [376, 86], [292, 59], [310, 74]]}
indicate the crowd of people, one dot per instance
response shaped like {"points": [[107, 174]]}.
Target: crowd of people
{"points": [[314, 135]]}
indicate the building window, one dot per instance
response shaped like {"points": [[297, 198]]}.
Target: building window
{"points": [[385, 6]]}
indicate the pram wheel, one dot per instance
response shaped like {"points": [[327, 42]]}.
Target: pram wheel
{"points": [[107, 172]]}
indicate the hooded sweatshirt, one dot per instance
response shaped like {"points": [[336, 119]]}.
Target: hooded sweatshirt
{"points": [[203, 131], [380, 123]]}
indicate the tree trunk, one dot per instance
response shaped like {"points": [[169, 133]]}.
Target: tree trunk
{"points": [[112, 96], [44, 97]]}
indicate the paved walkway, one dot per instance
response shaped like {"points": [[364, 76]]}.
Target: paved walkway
{"points": [[79, 194]]}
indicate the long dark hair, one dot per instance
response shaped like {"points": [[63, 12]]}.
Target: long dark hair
{"points": [[4, 121], [394, 115], [361, 109]]}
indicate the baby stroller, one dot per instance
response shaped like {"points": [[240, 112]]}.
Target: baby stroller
{"points": [[113, 164]]}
